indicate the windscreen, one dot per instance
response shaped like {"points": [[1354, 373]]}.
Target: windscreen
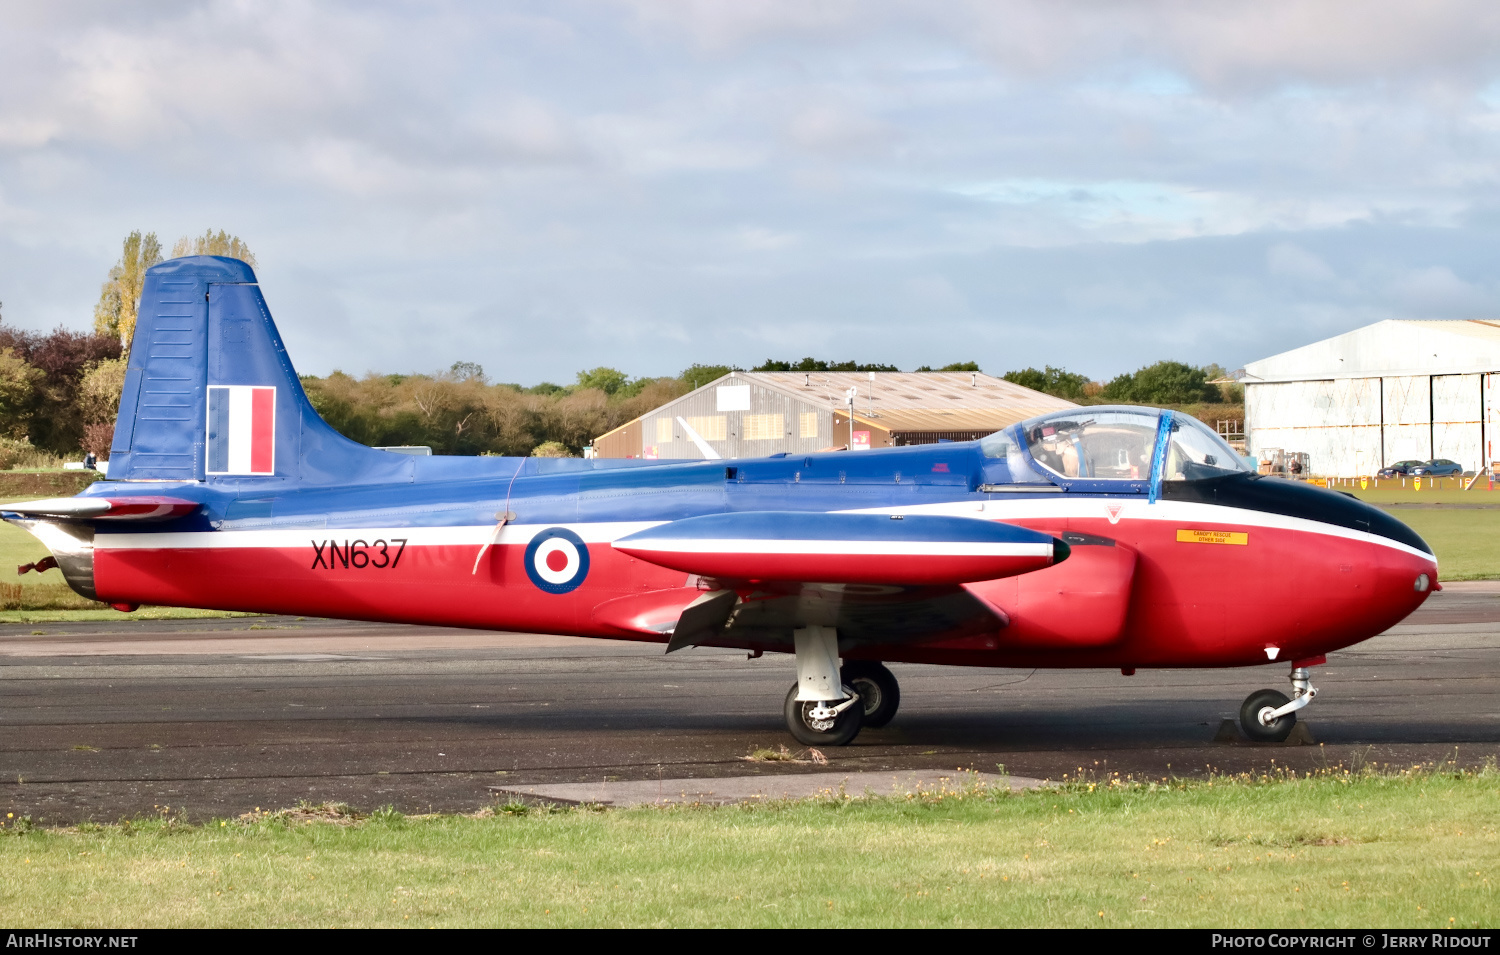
{"points": [[1196, 452], [1100, 444], [1116, 443]]}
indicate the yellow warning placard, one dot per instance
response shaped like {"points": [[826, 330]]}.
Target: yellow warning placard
{"points": [[1212, 537]]}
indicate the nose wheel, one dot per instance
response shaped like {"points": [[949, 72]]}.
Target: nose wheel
{"points": [[1267, 716], [1256, 719]]}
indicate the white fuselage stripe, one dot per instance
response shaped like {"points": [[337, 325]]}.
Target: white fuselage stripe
{"points": [[840, 548], [466, 535]]}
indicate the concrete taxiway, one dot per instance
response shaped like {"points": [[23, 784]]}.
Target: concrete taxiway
{"points": [[220, 716]]}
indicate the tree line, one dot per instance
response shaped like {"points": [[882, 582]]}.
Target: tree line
{"points": [[460, 412], [59, 393], [1162, 383]]}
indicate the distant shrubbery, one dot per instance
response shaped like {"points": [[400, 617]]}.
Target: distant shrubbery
{"points": [[1164, 383], [58, 394], [1052, 381], [460, 412]]}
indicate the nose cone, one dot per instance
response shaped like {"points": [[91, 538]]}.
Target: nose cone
{"points": [[1402, 582], [1348, 588], [1393, 581], [1060, 550]]}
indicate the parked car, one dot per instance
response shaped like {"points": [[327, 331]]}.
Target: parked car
{"points": [[1399, 468], [1438, 467]]}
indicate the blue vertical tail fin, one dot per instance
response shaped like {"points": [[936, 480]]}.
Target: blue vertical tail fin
{"points": [[210, 394]]}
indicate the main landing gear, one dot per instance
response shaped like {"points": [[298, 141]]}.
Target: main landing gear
{"points": [[828, 706], [877, 689], [1267, 716]]}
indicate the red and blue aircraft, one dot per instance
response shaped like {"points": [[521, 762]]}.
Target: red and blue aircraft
{"points": [[1108, 536]]}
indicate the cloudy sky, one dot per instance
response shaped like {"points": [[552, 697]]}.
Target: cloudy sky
{"points": [[548, 187]]}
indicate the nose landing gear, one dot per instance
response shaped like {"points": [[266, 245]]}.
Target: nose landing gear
{"points": [[1267, 716]]}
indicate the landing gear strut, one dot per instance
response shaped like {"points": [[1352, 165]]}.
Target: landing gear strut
{"points": [[819, 709], [1267, 716]]}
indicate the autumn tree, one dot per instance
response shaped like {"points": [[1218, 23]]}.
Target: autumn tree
{"points": [[214, 243], [121, 294], [99, 403], [54, 420], [18, 386]]}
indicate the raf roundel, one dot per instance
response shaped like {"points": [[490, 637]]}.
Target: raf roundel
{"points": [[557, 560]]}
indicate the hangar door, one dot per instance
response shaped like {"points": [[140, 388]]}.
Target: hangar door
{"points": [[1336, 422], [1491, 419], [1408, 418], [1458, 419]]}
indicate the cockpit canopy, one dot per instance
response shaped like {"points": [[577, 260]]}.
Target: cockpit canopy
{"points": [[1112, 443]]}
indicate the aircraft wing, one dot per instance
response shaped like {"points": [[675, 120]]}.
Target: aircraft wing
{"points": [[737, 614], [141, 508], [877, 578]]}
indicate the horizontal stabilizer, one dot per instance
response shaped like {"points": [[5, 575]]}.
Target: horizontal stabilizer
{"points": [[844, 548], [141, 508]]}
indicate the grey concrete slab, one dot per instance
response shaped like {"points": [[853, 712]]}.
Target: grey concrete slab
{"points": [[737, 789]]}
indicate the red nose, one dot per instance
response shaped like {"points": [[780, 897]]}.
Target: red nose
{"points": [[1389, 591]]}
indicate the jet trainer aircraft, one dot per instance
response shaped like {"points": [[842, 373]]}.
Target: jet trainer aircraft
{"points": [[1110, 536]]}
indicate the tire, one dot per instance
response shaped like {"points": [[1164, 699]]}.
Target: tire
{"points": [[845, 726], [1250, 722], [877, 688]]}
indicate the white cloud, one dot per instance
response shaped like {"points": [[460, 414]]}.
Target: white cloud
{"points": [[758, 239], [1436, 292], [1288, 260]]}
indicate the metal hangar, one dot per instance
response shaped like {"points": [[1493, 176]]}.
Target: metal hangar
{"points": [[1392, 391]]}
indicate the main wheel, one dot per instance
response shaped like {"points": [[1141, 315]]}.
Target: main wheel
{"points": [[838, 731], [877, 689], [1262, 701]]}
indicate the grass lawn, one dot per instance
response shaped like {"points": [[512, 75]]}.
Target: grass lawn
{"points": [[1450, 495], [1466, 541], [1417, 850]]}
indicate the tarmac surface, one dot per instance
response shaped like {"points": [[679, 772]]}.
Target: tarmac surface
{"points": [[218, 717]]}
